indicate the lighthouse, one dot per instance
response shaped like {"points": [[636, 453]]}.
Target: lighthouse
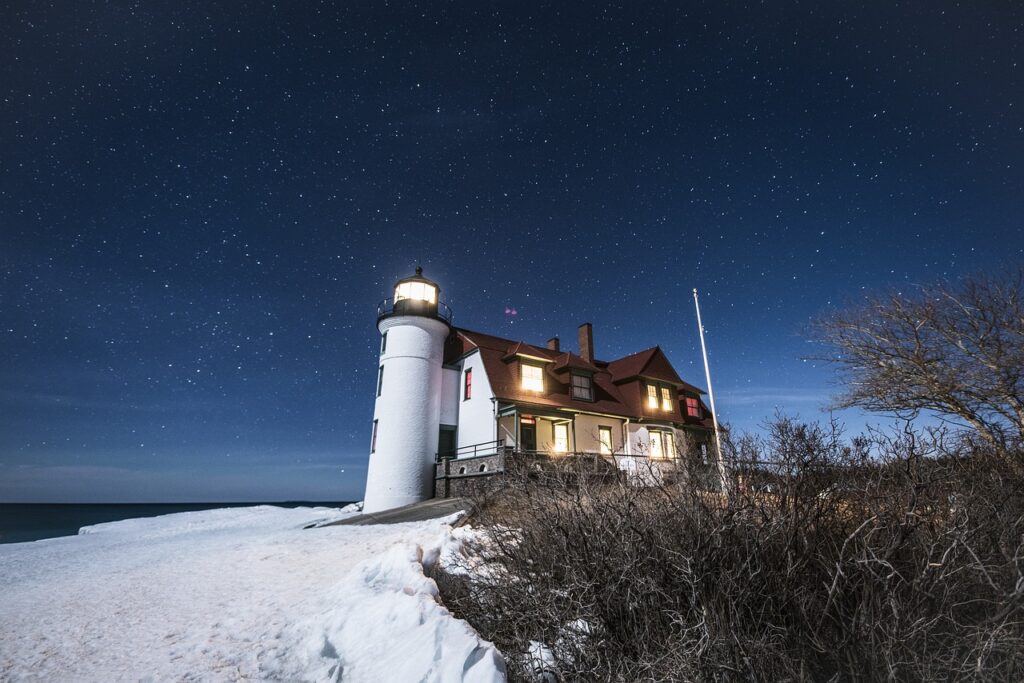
{"points": [[413, 327]]}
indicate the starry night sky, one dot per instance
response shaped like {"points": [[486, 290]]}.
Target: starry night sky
{"points": [[201, 204]]}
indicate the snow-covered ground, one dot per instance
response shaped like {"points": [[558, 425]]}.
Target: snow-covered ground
{"points": [[235, 594]]}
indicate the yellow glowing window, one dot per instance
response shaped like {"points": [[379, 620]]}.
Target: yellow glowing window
{"points": [[657, 445], [669, 445], [532, 377], [652, 396], [561, 438], [604, 436], [666, 399], [419, 291]]}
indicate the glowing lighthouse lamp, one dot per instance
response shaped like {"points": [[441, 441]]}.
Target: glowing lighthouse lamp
{"points": [[407, 413]]}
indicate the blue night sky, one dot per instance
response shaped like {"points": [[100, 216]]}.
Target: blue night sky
{"points": [[201, 204]]}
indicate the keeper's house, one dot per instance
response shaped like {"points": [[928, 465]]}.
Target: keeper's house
{"points": [[450, 394]]}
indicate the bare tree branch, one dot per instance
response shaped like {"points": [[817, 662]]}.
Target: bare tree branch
{"points": [[953, 349]]}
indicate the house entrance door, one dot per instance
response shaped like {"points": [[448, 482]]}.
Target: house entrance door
{"points": [[528, 437]]}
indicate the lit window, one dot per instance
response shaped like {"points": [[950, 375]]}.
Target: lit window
{"points": [[380, 380], [467, 385], [652, 396], [604, 436], [533, 377], [666, 398], [561, 438], [419, 291], [582, 387], [383, 343], [662, 444], [373, 438], [657, 445], [692, 407]]}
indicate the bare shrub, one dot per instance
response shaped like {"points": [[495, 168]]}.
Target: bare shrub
{"points": [[892, 556]]}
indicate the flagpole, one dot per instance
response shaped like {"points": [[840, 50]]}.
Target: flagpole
{"points": [[711, 395]]}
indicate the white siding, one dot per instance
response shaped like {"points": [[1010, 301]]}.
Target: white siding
{"points": [[545, 434], [476, 416], [587, 439], [640, 439], [451, 392]]}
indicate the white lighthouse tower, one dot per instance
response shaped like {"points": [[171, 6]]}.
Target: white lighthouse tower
{"points": [[406, 416]]}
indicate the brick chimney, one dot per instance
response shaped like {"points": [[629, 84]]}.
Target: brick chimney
{"points": [[586, 336], [554, 344]]}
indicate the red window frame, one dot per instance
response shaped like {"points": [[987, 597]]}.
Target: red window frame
{"points": [[692, 407], [467, 385]]}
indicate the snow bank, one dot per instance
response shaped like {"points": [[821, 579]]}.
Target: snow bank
{"points": [[387, 625], [256, 517], [240, 593]]}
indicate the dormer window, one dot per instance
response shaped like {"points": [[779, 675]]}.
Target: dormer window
{"points": [[692, 407], [659, 397], [582, 387], [532, 377], [652, 397]]}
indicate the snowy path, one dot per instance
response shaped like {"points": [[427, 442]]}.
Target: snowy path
{"points": [[233, 594]]}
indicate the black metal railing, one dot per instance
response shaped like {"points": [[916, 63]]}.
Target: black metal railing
{"points": [[390, 307], [473, 450]]}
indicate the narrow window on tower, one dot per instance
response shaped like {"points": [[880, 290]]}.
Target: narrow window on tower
{"points": [[373, 438], [604, 435], [380, 379], [666, 398], [652, 396], [467, 385], [383, 343]]}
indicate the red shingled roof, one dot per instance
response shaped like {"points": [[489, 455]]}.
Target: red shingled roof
{"points": [[649, 364], [570, 361], [618, 385]]}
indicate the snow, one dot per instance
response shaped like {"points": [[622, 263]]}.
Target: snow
{"points": [[236, 594]]}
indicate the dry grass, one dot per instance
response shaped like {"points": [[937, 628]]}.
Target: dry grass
{"points": [[908, 565]]}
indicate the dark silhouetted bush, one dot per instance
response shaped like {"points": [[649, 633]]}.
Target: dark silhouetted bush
{"points": [[888, 557]]}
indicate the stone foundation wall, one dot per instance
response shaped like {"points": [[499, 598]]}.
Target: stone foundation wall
{"points": [[468, 476]]}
